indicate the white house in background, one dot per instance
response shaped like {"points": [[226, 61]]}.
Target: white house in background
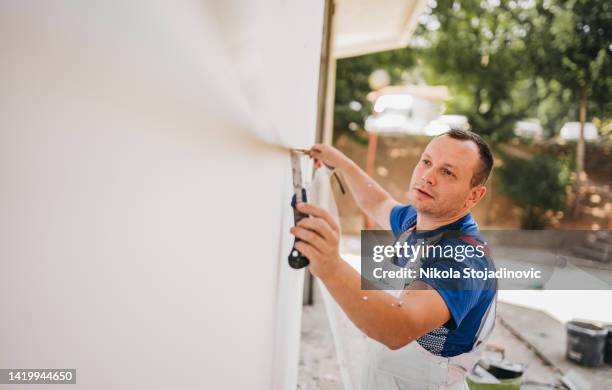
{"points": [[406, 109], [571, 131], [445, 123], [531, 129]]}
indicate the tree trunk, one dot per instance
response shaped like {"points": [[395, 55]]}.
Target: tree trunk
{"points": [[580, 146], [372, 144], [580, 157]]}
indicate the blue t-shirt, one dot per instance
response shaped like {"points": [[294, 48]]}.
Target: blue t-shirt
{"points": [[467, 298]]}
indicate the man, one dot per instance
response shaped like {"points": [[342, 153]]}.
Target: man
{"points": [[447, 318]]}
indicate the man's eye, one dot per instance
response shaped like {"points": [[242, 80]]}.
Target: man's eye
{"points": [[426, 162], [448, 173]]}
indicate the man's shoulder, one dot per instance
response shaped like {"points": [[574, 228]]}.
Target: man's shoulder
{"points": [[402, 218]]}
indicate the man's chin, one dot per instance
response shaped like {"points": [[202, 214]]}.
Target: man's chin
{"points": [[421, 205], [422, 208]]}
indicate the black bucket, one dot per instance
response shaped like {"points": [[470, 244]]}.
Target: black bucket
{"points": [[585, 343], [608, 349]]}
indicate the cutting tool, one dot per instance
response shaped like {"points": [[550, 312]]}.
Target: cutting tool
{"points": [[296, 259]]}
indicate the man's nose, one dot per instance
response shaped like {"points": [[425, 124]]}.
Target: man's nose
{"points": [[429, 177]]}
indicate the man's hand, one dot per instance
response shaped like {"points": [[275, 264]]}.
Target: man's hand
{"points": [[370, 196], [320, 240], [330, 156]]}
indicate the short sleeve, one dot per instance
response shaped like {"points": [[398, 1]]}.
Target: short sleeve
{"points": [[402, 217], [460, 295]]}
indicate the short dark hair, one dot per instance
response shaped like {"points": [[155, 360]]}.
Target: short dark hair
{"points": [[480, 175]]}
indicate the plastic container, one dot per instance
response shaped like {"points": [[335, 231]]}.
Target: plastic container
{"points": [[608, 348], [495, 374], [585, 343]]}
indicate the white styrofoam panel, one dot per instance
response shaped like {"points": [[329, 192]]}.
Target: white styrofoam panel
{"points": [[274, 46], [143, 225]]}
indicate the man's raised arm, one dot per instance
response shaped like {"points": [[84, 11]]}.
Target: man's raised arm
{"points": [[370, 196]]}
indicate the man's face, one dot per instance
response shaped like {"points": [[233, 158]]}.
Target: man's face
{"points": [[440, 185]]}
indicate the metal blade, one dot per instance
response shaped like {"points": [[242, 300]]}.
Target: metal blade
{"points": [[296, 169]]}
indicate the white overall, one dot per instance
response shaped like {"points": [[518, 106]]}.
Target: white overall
{"points": [[413, 367]]}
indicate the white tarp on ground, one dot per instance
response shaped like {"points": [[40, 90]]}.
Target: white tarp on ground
{"points": [[350, 343], [143, 219]]}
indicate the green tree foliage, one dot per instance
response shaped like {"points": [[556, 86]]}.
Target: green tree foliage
{"points": [[502, 61], [538, 186], [574, 51], [478, 49]]}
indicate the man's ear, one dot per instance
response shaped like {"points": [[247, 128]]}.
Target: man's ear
{"points": [[476, 194]]}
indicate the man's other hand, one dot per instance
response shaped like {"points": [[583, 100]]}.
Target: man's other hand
{"points": [[320, 239], [329, 156]]}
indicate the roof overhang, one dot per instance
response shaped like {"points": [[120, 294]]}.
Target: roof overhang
{"points": [[367, 26]]}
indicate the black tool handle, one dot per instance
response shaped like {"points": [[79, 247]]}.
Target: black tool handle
{"points": [[296, 259]]}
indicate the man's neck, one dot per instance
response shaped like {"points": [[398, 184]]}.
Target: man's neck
{"points": [[427, 223]]}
